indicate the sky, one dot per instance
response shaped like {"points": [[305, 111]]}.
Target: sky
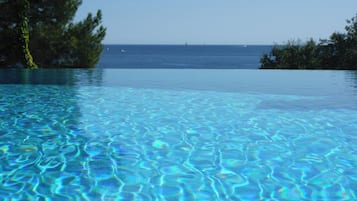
{"points": [[219, 21]]}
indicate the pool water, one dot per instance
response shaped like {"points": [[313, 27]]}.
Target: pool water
{"points": [[178, 135]]}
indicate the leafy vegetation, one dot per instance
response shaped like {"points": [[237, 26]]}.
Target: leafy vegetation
{"points": [[337, 52], [43, 31]]}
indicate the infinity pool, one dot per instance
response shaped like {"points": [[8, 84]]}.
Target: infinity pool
{"points": [[110, 134]]}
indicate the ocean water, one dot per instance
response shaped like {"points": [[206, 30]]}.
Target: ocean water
{"points": [[183, 56], [166, 134]]}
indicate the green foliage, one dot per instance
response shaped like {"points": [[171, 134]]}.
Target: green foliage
{"points": [[337, 52], [293, 55], [56, 41], [85, 41]]}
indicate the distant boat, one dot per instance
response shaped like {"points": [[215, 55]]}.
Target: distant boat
{"points": [[122, 50], [244, 45], [107, 48]]}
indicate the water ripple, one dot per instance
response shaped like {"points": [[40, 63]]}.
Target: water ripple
{"points": [[97, 143]]}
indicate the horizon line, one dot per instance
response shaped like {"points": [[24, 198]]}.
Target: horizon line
{"points": [[192, 44]]}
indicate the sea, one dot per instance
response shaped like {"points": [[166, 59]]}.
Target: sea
{"points": [[182, 56]]}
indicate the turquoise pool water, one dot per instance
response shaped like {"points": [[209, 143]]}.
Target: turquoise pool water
{"points": [[178, 135]]}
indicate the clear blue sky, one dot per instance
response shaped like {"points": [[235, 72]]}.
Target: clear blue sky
{"points": [[219, 21]]}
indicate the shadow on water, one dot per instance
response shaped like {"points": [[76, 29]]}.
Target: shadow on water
{"points": [[346, 98], [42, 139], [351, 77], [52, 76], [325, 103]]}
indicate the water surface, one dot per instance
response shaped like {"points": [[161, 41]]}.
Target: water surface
{"points": [[125, 134]]}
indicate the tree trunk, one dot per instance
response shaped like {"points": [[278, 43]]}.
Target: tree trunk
{"points": [[24, 35]]}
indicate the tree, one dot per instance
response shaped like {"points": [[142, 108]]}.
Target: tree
{"points": [[10, 29], [293, 55], [24, 33], [337, 52], [55, 40]]}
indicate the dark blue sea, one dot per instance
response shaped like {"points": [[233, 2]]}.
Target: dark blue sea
{"points": [[183, 56]]}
